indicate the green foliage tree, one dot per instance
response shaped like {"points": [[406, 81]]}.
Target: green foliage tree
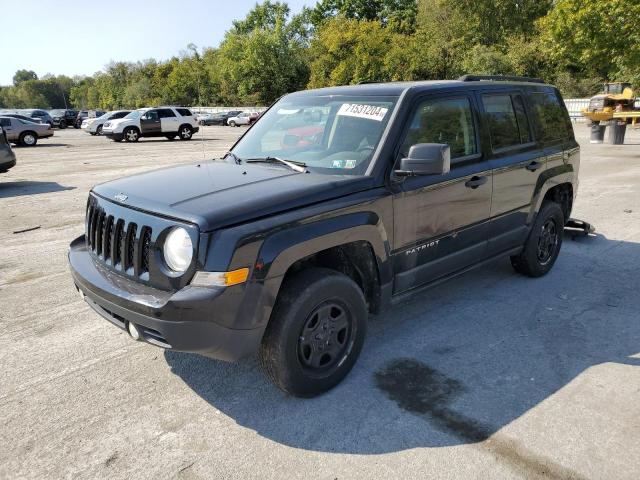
{"points": [[24, 75]]}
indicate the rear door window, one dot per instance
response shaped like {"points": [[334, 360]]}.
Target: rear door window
{"points": [[502, 121], [447, 121], [550, 115], [166, 113], [5, 122]]}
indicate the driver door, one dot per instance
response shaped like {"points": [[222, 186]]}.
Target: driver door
{"points": [[441, 222], [150, 124]]}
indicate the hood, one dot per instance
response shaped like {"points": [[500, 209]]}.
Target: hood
{"points": [[120, 121], [215, 194]]}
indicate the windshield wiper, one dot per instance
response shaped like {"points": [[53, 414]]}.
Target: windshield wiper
{"points": [[232, 155], [293, 165]]}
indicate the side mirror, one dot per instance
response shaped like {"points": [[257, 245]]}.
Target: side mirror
{"points": [[426, 159]]}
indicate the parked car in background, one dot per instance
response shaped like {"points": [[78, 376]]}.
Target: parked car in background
{"points": [[7, 157], [38, 114], [64, 118], [20, 116], [169, 122], [214, 119], [243, 118], [23, 132], [84, 114], [94, 125], [254, 116]]}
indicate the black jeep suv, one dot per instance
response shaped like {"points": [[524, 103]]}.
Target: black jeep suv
{"points": [[337, 203], [64, 118]]}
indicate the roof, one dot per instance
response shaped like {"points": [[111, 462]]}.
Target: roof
{"points": [[396, 88]]}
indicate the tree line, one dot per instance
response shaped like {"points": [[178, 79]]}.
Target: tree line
{"points": [[575, 44]]}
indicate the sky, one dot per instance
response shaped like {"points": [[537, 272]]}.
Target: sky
{"points": [[81, 37]]}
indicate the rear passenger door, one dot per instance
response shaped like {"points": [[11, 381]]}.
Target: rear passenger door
{"points": [[6, 124], [168, 120], [441, 221], [517, 162]]}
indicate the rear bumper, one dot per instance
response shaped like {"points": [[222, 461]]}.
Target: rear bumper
{"points": [[6, 162], [181, 320]]}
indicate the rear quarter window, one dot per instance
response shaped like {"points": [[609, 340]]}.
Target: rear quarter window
{"points": [[551, 116], [185, 112]]}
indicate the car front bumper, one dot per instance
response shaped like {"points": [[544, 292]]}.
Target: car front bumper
{"points": [[179, 320], [112, 135]]}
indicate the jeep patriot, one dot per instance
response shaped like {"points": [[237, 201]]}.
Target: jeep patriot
{"points": [[335, 204]]}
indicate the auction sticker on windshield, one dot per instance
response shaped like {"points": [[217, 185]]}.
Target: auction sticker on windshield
{"points": [[371, 112]]}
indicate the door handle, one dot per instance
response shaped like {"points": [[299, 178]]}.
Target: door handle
{"points": [[475, 182], [533, 166]]}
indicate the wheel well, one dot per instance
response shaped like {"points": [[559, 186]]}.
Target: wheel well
{"points": [[185, 125], [356, 260], [35, 134], [129, 127], [563, 195]]}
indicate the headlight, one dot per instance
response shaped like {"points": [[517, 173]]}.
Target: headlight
{"points": [[107, 124], [178, 250]]}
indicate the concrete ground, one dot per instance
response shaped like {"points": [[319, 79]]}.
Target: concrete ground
{"points": [[491, 375]]}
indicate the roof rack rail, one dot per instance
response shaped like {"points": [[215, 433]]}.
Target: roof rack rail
{"points": [[499, 78]]}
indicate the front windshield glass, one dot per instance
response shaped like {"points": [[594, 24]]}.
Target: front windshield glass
{"points": [[135, 114], [104, 116], [330, 134]]}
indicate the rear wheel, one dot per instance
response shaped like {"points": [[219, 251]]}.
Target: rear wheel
{"points": [[543, 245], [28, 139], [62, 125], [316, 332], [185, 132], [232, 123], [131, 134]]}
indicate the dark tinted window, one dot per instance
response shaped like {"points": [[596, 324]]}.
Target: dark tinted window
{"points": [[185, 112], [521, 117], [5, 122], [119, 115], [447, 121], [166, 113], [550, 115], [501, 119]]}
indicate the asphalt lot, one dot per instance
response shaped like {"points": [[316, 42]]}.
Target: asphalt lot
{"points": [[492, 375]]}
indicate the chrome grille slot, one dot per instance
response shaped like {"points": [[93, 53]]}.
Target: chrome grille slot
{"points": [[146, 249], [118, 238], [130, 248], [106, 238]]}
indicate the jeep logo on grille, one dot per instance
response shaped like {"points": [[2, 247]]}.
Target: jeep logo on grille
{"points": [[121, 197]]}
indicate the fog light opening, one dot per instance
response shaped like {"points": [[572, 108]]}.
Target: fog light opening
{"points": [[133, 331]]}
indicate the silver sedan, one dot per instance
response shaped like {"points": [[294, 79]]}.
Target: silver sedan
{"points": [[23, 132]]}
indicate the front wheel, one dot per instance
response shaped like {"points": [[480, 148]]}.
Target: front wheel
{"points": [[316, 332], [131, 134], [232, 123], [543, 245], [186, 132], [28, 139], [99, 130], [62, 125]]}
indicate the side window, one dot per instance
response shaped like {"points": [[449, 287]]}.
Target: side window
{"points": [[115, 116], [185, 112], [152, 115], [166, 113], [521, 117], [5, 122], [448, 121], [501, 120], [550, 115]]}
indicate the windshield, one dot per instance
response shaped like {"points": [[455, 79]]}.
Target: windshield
{"points": [[104, 116], [330, 134], [57, 112], [135, 114]]}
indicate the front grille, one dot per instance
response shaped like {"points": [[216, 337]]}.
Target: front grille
{"points": [[126, 241], [117, 243]]}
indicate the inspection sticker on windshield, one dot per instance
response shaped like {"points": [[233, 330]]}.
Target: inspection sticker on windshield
{"points": [[371, 112]]}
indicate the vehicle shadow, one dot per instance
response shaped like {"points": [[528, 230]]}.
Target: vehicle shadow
{"points": [[41, 145], [22, 188], [456, 363]]}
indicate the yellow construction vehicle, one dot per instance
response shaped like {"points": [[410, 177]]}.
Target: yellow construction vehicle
{"points": [[616, 97]]}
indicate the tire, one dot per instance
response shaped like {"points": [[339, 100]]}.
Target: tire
{"points": [[99, 130], [28, 139], [232, 123], [131, 134], [77, 125], [331, 307], [62, 125], [185, 132], [543, 244]]}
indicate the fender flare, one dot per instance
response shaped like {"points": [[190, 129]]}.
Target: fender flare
{"points": [[546, 181]]}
